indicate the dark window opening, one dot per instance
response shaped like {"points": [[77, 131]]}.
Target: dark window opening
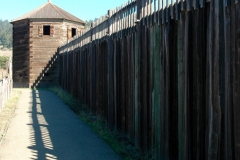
{"points": [[46, 30], [74, 32]]}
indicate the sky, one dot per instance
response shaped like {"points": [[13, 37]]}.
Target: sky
{"points": [[83, 9]]}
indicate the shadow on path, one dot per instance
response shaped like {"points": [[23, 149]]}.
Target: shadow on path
{"points": [[57, 133]]}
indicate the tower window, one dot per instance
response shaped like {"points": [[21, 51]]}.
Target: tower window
{"points": [[74, 32], [46, 30]]}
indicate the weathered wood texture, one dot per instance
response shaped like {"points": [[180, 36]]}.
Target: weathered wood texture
{"points": [[21, 54], [35, 62], [163, 74], [44, 65]]}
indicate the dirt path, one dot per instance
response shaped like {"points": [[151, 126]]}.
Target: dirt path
{"points": [[45, 128]]}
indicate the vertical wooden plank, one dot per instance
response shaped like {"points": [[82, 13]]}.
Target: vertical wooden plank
{"points": [[212, 115], [208, 79], [198, 85], [117, 74], [136, 82], [227, 3], [163, 95], [173, 93], [186, 82], [88, 83], [202, 109], [177, 9], [189, 5], [149, 92], [145, 97], [214, 110], [75, 74], [144, 12], [97, 77], [149, 10], [123, 99], [180, 89], [163, 12], [140, 96], [159, 12], [202, 3], [110, 73], [92, 79], [152, 45], [167, 87], [156, 49], [130, 80], [127, 72], [155, 12], [183, 5], [106, 82], [167, 10], [227, 89], [183, 87], [236, 78], [172, 9], [139, 9], [132, 84], [115, 81]]}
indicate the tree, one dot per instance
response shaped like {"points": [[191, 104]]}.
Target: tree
{"points": [[88, 23], [5, 34], [3, 61]]}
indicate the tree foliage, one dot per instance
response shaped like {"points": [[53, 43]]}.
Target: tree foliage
{"points": [[88, 23], [5, 34], [3, 61]]}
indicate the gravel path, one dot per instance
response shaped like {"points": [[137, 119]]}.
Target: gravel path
{"points": [[44, 128]]}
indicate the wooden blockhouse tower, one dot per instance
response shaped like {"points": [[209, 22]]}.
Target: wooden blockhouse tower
{"points": [[36, 37]]}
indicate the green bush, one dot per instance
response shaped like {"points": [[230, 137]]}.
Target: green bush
{"points": [[3, 61]]}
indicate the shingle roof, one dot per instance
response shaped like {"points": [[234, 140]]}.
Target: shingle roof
{"points": [[51, 11]]}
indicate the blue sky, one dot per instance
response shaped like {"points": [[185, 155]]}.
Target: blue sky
{"points": [[83, 9]]}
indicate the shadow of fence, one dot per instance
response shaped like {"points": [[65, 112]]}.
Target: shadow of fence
{"points": [[46, 78], [57, 133]]}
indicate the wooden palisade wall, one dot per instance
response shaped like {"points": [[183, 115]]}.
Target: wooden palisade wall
{"points": [[164, 74]]}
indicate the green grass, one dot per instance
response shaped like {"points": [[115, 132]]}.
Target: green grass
{"points": [[119, 143]]}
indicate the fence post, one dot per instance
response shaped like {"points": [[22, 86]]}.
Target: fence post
{"points": [[139, 9], [110, 72]]}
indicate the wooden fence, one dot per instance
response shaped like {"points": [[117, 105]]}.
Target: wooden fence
{"points": [[164, 74], [6, 84], [5, 91]]}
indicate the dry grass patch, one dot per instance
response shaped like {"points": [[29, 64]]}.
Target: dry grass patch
{"points": [[8, 111]]}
